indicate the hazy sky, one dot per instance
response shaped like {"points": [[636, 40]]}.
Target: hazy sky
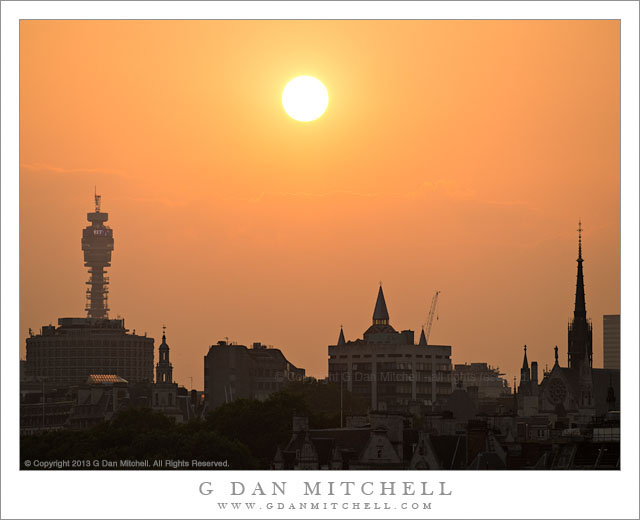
{"points": [[454, 155]]}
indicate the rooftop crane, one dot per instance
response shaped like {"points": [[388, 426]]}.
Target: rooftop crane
{"points": [[432, 311]]}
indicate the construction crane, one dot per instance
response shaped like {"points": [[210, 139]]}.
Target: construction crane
{"points": [[432, 312]]}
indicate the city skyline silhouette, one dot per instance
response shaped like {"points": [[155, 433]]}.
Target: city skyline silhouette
{"points": [[455, 156]]}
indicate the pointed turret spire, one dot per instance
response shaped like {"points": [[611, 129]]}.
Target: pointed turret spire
{"points": [[341, 340], [380, 313], [423, 339], [525, 362], [556, 353], [580, 310]]}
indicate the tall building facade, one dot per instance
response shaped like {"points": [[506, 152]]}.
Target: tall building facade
{"points": [[611, 340], [236, 372], [388, 368], [79, 347]]}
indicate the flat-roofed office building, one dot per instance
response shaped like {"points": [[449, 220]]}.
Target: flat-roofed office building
{"points": [[237, 372], [78, 347]]}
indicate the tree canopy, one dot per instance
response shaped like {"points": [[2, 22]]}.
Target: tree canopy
{"points": [[245, 433]]}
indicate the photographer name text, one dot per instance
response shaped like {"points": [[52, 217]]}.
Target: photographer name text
{"points": [[328, 488]]}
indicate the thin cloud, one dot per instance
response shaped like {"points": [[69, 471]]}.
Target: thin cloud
{"points": [[305, 195], [159, 201], [40, 167]]}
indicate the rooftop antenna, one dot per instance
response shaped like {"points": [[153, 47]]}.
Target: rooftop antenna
{"points": [[97, 199], [580, 230]]}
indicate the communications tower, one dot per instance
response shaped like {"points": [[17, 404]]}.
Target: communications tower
{"points": [[97, 244]]}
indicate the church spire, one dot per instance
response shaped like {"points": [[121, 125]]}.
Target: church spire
{"points": [[525, 373], [525, 362], [580, 310], [380, 313], [580, 332]]}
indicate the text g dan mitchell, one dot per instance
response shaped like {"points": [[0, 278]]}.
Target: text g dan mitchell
{"points": [[328, 488]]}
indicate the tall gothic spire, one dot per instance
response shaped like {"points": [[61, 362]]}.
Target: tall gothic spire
{"points": [[580, 310], [580, 332]]}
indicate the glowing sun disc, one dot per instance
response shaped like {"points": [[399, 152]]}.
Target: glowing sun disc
{"points": [[305, 98]]}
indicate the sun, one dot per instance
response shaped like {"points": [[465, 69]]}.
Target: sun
{"points": [[305, 98]]}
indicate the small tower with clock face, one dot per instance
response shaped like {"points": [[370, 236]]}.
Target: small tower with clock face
{"points": [[165, 391], [164, 368]]}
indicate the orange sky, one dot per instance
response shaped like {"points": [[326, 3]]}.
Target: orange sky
{"points": [[454, 155]]}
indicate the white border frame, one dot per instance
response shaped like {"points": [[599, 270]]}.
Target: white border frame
{"points": [[132, 494]]}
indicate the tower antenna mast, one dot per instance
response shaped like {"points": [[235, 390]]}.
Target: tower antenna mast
{"points": [[97, 245]]}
